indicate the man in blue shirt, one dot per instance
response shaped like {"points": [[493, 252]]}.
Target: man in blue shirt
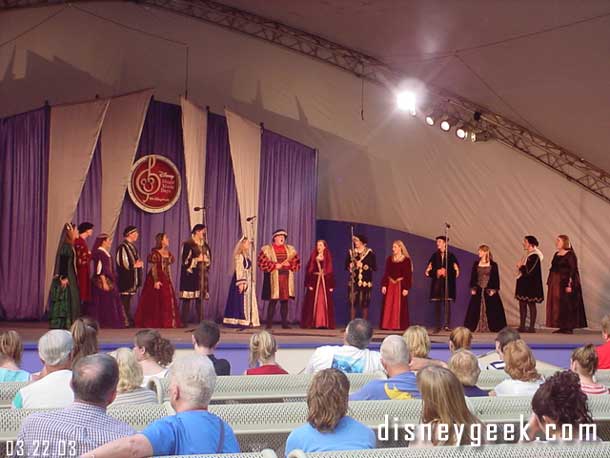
{"points": [[401, 383], [192, 431]]}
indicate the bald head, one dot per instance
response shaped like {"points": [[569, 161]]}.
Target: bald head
{"points": [[395, 354], [95, 378]]}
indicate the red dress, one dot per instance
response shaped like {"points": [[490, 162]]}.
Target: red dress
{"points": [[396, 278], [318, 308], [267, 369], [158, 308], [83, 271]]}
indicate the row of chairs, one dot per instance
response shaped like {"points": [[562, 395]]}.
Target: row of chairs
{"points": [[261, 426]]}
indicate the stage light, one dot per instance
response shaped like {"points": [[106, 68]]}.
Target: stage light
{"points": [[446, 123], [406, 101], [461, 131], [479, 136], [432, 116]]}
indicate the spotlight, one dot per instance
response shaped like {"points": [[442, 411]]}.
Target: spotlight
{"points": [[461, 131], [432, 117], [446, 123], [479, 136], [406, 101]]}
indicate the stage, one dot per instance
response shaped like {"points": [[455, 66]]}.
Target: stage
{"points": [[296, 345]]}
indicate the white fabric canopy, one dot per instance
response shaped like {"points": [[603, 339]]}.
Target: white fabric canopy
{"points": [[120, 139], [194, 134], [74, 133]]}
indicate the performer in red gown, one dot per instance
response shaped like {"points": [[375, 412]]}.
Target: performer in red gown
{"points": [[83, 262], [158, 307], [318, 308], [395, 287]]}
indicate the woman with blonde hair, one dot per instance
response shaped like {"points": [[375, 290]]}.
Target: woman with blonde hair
{"points": [[584, 363], [443, 403], [11, 349], [84, 333], [485, 311], [395, 286], [460, 339], [241, 308], [262, 355], [328, 427], [419, 345], [465, 365], [520, 365], [153, 352], [565, 308], [129, 388]]}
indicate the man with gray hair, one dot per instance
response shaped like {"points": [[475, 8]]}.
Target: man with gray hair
{"points": [[84, 425], [52, 390], [401, 383], [192, 431], [353, 356]]}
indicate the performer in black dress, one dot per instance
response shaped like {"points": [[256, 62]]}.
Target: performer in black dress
{"points": [[361, 263], [564, 305], [129, 269], [529, 291], [437, 270], [485, 310], [195, 262]]}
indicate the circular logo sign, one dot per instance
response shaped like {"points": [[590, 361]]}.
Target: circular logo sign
{"points": [[154, 185]]}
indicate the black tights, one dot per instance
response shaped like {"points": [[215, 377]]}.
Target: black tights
{"points": [[283, 312], [523, 306]]}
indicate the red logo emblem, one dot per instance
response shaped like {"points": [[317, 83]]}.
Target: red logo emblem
{"points": [[155, 184]]}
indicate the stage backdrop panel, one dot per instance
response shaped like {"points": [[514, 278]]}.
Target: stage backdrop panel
{"points": [[24, 149], [89, 206], [421, 310], [288, 201]]}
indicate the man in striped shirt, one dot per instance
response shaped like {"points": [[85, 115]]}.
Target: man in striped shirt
{"points": [[84, 425]]}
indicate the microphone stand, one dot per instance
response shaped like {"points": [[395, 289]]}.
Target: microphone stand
{"points": [[251, 278]]}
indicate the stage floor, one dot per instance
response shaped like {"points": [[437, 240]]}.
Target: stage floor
{"points": [[31, 331]]}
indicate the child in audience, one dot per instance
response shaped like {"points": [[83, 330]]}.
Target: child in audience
{"points": [[205, 338], [559, 401], [521, 366], [418, 343], [154, 353], [328, 426], [443, 403], [465, 366], [262, 355], [603, 351], [129, 389], [84, 333], [584, 363], [505, 336], [460, 338], [11, 350]]}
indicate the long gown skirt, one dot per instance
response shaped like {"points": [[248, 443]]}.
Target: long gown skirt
{"points": [[106, 308], [564, 310], [395, 309], [157, 308], [318, 308], [235, 312], [494, 312]]}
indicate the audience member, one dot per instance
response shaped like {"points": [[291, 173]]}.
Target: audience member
{"points": [[401, 383], [328, 426], [11, 350], [154, 353], [418, 342], [505, 336], [205, 339], [460, 338], [559, 401], [465, 365], [603, 351], [84, 333], [262, 355], [192, 430], [443, 403], [84, 425], [584, 363], [129, 388], [53, 389], [521, 367], [353, 356]]}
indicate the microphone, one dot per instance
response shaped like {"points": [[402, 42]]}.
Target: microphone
{"points": [[250, 218], [198, 209], [447, 225]]}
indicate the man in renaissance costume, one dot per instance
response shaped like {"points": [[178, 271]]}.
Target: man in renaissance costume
{"points": [[129, 269], [279, 261], [360, 262], [195, 264]]}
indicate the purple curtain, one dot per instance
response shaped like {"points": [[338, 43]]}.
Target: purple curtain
{"points": [[162, 134], [224, 227], [288, 201], [89, 206], [24, 153]]}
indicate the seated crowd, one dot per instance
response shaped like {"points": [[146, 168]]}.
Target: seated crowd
{"points": [[80, 383]]}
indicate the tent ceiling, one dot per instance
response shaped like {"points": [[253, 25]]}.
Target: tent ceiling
{"points": [[544, 64]]}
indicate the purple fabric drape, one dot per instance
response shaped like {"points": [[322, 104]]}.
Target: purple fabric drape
{"points": [[222, 214], [162, 134], [24, 153], [89, 206], [287, 200]]}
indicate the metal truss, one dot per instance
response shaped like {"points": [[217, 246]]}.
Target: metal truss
{"points": [[502, 129]]}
